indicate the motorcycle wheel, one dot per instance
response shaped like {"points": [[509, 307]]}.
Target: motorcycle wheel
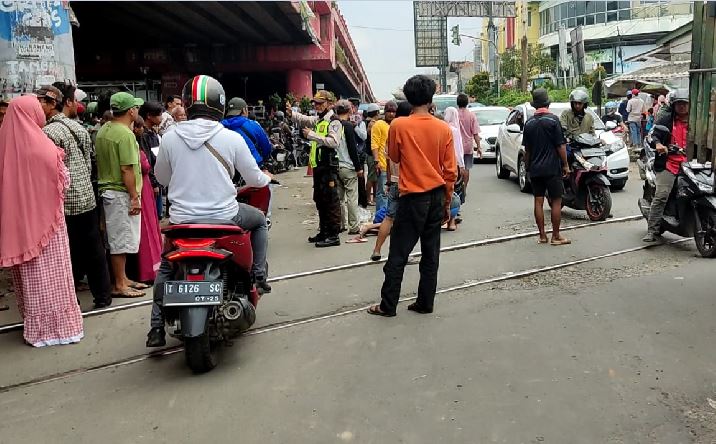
{"points": [[599, 202], [291, 162], [200, 354], [706, 238]]}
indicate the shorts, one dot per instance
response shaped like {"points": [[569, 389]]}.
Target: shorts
{"points": [[372, 175], [550, 184], [392, 206], [469, 160], [123, 230]]}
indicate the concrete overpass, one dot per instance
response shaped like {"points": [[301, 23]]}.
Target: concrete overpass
{"points": [[255, 48]]}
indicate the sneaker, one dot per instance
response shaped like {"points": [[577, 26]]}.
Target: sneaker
{"points": [[156, 337], [650, 237], [262, 286], [317, 238], [332, 241]]}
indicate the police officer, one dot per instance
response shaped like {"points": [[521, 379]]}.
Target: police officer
{"points": [[324, 133]]}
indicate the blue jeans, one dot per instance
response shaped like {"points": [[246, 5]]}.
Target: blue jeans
{"points": [[635, 131], [381, 200]]}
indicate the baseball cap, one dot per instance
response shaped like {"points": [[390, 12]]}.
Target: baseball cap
{"points": [[122, 101], [323, 96], [51, 92], [80, 95], [235, 106], [634, 92]]}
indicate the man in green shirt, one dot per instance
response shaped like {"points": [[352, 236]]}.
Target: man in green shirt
{"points": [[120, 183]]}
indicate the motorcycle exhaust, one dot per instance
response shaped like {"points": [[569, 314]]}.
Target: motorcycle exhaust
{"points": [[232, 311]]}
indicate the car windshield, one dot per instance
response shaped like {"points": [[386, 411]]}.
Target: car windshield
{"points": [[558, 110], [487, 117], [443, 102]]}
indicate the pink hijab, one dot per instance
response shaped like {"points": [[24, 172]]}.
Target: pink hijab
{"points": [[32, 183], [452, 118]]}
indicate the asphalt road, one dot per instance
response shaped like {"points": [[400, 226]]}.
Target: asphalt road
{"points": [[615, 350]]}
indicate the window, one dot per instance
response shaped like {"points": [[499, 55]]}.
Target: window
{"points": [[580, 21], [612, 6], [556, 13], [612, 16], [625, 14], [572, 22], [581, 9], [601, 6], [563, 11], [591, 7], [624, 5], [529, 18], [599, 18], [590, 20]]}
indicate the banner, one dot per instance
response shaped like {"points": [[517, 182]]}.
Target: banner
{"points": [[35, 45]]}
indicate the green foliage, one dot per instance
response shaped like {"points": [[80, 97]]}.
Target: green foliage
{"points": [[305, 104], [290, 97], [559, 95], [591, 78], [538, 62], [512, 97], [275, 101], [479, 87]]}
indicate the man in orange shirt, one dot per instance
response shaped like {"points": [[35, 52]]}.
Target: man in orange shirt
{"points": [[423, 146]]}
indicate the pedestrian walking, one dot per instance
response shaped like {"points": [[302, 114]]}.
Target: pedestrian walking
{"points": [[120, 187], [149, 255], [470, 132], [635, 109], [81, 216], [423, 147], [546, 160], [452, 118], [349, 170], [33, 234], [324, 133]]}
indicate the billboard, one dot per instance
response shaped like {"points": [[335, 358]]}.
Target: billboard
{"points": [[35, 45]]}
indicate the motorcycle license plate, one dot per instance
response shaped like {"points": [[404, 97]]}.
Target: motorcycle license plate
{"points": [[593, 152], [183, 293], [281, 157]]}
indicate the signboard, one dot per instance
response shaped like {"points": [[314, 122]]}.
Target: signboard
{"points": [[564, 62], [577, 49], [465, 8], [35, 45]]}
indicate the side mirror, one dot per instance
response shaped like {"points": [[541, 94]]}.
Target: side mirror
{"points": [[611, 125], [514, 128]]}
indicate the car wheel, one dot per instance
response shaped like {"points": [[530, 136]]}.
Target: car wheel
{"points": [[502, 172], [522, 175]]}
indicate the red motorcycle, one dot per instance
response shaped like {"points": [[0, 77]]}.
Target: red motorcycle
{"points": [[211, 297]]}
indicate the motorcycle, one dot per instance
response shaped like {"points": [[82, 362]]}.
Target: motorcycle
{"points": [[587, 186], [211, 297], [691, 208], [282, 156]]}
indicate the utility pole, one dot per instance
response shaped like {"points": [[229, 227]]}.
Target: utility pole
{"points": [[523, 45]]}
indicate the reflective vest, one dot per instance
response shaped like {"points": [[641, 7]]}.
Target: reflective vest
{"points": [[321, 129]]}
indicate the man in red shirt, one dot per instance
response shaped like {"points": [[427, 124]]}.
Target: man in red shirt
{"points": [[678, 123]]}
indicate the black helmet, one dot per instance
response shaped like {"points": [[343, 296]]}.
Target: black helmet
{"points": [[680, 95], [579, 95], [203, 96], [279, 115]]}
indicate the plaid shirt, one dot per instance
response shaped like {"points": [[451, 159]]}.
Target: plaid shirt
{"points": [[79, 197]]}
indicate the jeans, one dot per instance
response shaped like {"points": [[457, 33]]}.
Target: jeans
{"points": [[664, 183], [348, 195], [88, 255], [248, 218], [419, 216], [160, 204], [635, 131], [381, 200]]}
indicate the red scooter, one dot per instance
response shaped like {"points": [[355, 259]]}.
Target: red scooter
{"points": [[211, 297]]}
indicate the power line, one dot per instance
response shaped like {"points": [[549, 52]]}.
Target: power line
{"points": [[376, 28]]}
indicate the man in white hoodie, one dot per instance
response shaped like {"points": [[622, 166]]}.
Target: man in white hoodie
{"points": [[197, 160]]}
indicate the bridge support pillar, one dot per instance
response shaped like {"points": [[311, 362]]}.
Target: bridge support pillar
{"points": [[300, 82]]}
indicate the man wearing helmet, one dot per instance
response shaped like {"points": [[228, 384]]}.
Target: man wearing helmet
{"points": [[576, 120], [611, 115], [324, 132], [677, 121], [197, 161]]}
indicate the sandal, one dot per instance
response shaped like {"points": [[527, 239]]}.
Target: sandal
{"points": [[128, 293], [138, 286], [375, 310], [357, 240], [542, 241], [560, 241], [375, 257]]}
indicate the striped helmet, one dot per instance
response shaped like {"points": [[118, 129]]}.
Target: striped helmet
{"points": [[203, 96]]}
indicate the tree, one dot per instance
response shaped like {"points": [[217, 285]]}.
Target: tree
{"points": [[539, 62], [479, 86]]}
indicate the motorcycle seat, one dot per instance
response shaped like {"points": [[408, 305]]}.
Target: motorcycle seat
{"points": [[209, 222], [203, 228]]}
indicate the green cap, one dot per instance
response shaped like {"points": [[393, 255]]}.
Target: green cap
{"points": [[122, 101]]}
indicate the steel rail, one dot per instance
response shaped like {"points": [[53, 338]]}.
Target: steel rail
{"points": [[295, 323]]}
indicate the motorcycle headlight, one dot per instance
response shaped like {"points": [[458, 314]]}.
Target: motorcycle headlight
{"points": [[616, 146]]}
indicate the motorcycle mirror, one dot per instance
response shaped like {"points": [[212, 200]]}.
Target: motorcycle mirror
{"points": [[611, 125]]}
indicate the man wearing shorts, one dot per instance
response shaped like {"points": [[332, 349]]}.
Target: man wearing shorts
{"points": [[470, 131], [120, 183], [546, 159]]}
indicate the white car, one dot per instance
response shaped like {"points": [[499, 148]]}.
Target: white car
{"points": [[490, 118], [509, 156]]}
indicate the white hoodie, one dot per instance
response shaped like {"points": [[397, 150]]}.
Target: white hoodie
{"points": [[199, 186]]}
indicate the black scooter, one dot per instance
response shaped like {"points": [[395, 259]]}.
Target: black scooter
{"points": [[691, 208]]}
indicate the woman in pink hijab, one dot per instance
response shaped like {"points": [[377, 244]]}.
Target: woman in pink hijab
{"points": [[33, 235], [452, 118]]}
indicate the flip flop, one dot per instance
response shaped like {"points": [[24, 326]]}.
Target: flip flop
{"points": [[375, 310], [375, 257], [542, 241], [558, 242], [357, 240], [138, 286], [128, 293]]}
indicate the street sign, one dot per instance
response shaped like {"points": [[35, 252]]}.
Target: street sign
{"points": [[320, 86]]}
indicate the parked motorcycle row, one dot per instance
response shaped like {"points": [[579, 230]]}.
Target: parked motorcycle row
{"points": [[286, 154]]}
